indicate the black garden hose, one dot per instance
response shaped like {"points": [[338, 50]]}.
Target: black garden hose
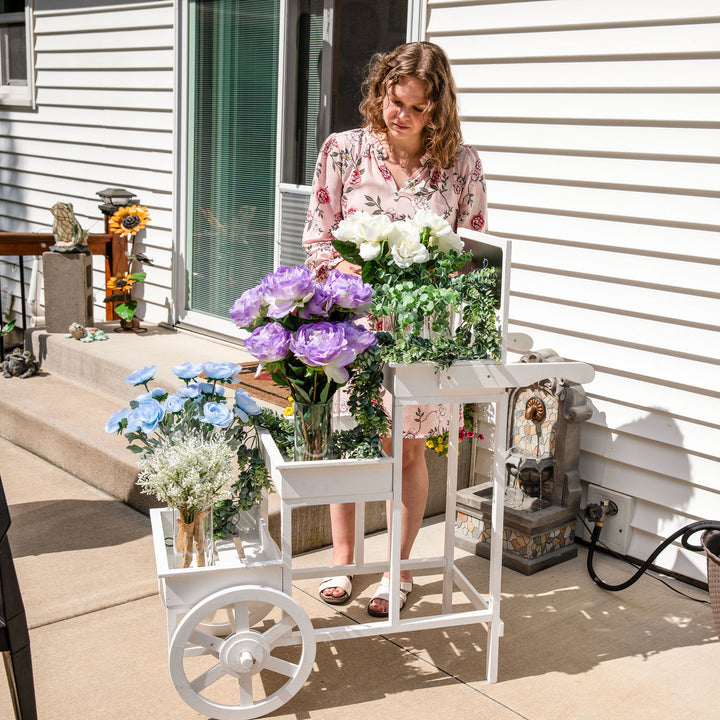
{"points": [[685, 532]]}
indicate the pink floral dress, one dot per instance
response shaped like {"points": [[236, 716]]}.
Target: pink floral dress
{"points": [[351, 176]]}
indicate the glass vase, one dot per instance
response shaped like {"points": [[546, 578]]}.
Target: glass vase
{"points": [[312, 430], [193, 539]]}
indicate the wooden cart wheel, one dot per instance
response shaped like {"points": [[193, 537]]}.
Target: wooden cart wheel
{"points": [[253, 671]]}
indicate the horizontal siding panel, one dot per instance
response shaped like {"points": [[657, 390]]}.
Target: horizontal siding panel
{"points": [[111, 117], [690, 405], [125, 82], [614, 204], [15, 133], [116, 156], [635, 41], [650, 424], [616, 328], [129, 177], [565, 137], [51, 23], [80, 97], [695, 276], [660, 305], [654, 107], [498, 16], [602, 234], [631, 362], [149, 58], [648, 487], [653, 457], [130, 38], [680, 177], [642, 74]]}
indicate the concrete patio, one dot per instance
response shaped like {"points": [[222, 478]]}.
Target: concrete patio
{"points": [[86, 569]]}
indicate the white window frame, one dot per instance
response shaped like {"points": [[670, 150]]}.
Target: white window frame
{"points": [[12, 94]]}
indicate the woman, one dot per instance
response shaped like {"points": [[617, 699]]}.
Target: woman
{"points": [[408, 157]]}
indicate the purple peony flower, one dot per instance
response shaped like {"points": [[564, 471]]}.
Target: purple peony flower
{"points": [[146, 416], [318, 305], [245, 405], [349, 292], [287, 289], [269, 343], [358, 337], [247, 308], [216, 414], [324, 345]]}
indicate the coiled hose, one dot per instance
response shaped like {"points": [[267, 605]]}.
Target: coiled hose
{"points": [[685, 532]]}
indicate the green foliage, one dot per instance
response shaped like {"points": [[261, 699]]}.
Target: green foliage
{"points": [[7, 328]]}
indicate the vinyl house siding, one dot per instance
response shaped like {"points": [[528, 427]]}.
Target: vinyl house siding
{"points": [[599, 128], [104, 118]]}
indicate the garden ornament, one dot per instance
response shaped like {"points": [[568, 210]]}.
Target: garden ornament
{"points": [[19, 363], [86, 334], [69, 236]]}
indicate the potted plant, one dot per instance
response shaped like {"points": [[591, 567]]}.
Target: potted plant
{"points": [[197, 452]]}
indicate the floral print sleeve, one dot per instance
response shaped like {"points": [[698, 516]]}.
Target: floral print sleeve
{"points": [[472, 200]]}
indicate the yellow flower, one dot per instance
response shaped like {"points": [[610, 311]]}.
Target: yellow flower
{"points": [[129, 220], [290, 409], [121, 283]]}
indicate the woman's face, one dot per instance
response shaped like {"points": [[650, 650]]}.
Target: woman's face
{"points": [[403, 107]]}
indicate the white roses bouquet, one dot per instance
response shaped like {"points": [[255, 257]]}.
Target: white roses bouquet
{"points": [[432, 310]]}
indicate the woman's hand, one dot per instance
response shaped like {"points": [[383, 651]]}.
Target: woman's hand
{"points": [[348, 268]]}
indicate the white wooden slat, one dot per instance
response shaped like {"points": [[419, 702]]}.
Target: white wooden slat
{"points": [[674, 558], [650, 106], [697, 276], [107, 155], [608, 234], [687, 405], [653, 366], [648, 487], [661, 305], [128, 177], [654, 457], [697, 177], [550, 13], [154, 58], [667, 40], [650, 424], [122, 82], [135, 38], [621, 328], [109, 117], [79, 97], [595, 138], [655, 207], [144, 17], [138, 139], [646, 74]]}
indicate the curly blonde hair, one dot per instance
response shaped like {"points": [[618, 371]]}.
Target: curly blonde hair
{"points": [[428, 63]]}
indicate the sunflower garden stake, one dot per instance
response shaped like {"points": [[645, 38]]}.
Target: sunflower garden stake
{"points": [[128, 221]]}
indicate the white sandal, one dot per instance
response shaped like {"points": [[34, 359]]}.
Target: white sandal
{"points": [[339, 581], [383, 593]]}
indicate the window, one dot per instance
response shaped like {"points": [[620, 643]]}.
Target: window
{"points": [[16, 52]]}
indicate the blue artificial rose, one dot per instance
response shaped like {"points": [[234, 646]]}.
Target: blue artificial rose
{"points": [[221, 370], [192, 390], [216, 414], [187, 371], [245, 405], [210, 389], [156, 393], [174, 403], [146, 416], [142, 376], [114, 423]]}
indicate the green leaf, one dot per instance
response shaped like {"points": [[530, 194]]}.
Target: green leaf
{"points": [[126, 310], [348, 250], [7, 328], [138, 277]]}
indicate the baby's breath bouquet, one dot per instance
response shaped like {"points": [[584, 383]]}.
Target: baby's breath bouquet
{"points": [[197, 452]]}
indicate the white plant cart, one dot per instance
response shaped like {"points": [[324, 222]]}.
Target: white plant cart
{"points": [[238, 616]]}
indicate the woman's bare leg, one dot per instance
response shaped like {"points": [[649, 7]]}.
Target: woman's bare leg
{"points": [[342, 519]]}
